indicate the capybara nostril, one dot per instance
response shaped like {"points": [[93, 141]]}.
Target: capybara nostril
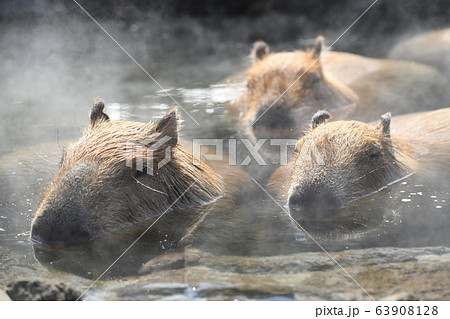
{"points": [[295, 203], [63, 233], [35, 234]]}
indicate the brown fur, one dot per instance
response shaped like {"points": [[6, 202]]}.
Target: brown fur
{"points": [[360, 159], [95, 192], [307, 88], [388, 85]]}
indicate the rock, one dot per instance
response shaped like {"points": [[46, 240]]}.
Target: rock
{"points": [[34, 282], [400, 296], [385, 273], [38, 290]]}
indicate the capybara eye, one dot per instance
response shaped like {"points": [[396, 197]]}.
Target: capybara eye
{"points": [[314, 78], [374, 153], [138, 174], [374, 156]]}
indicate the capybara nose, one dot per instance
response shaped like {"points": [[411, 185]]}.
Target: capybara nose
{"points": [[313, 205], [63, 234]]}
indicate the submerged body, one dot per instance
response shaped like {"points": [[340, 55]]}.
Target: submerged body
{"points": [[382, 85], [431, 48]]}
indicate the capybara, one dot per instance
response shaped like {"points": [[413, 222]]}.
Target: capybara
{"points": [[343, 161], [285, 89], [431, 48], [114, 178], [388, 85]]}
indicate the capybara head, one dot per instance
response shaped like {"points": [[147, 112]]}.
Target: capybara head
{"points": [[339, 162], [118, 174], [288, 87]]}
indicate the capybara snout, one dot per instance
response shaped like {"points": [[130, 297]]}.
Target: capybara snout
{"points": [[69, 232], [313, 203], [63, 218]]}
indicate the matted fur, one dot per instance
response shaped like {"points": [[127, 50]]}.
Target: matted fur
{"points": [[96, 191]]}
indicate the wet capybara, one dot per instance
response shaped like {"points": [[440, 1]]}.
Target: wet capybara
{"points": [[123, 173], [431, 48], [343, 161], [285, 89]]}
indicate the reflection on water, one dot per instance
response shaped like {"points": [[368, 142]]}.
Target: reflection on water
{"points": [[92, 259], [215, 94]]}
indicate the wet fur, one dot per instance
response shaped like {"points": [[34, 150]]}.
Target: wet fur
{"points": [[417, 143], [96, 189]]}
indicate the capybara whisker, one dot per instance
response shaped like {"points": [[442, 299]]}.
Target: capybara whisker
{"points": [[34, 169], [146, 186], [371, 172], [42, 157], [355, 221]]}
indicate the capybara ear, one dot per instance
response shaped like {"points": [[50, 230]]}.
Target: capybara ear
{"points": [[260, 51], [168, 126], [385, 124], [97, 114], [317, 50], [319, 118]]}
